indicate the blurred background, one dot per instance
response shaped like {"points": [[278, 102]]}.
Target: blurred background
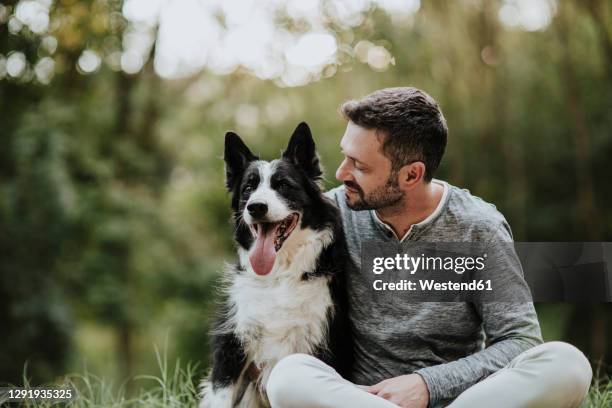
{"points": [[114, 221]]}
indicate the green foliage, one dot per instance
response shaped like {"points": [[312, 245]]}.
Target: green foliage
{"points": [[36, 217], [113, 212]]}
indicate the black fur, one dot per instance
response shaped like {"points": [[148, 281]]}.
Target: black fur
{"points": [[301, 152], [229, 359], [339, 352], [238, 158]]}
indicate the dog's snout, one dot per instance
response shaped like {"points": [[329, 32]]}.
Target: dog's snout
{"points": [[257, 210]]}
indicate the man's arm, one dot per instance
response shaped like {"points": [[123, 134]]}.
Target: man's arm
{"points": [[509, 336], [510, 328]]}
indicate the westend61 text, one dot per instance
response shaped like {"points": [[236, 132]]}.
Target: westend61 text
{"points": [[429, 285]]}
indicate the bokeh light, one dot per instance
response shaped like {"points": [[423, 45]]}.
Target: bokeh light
{"points": [[530, 15], [16, 64], [44, 70], [224, 35], [89, 62], [34, 14]]}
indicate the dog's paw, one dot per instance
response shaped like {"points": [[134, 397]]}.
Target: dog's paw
{"points": [[214, 398]]}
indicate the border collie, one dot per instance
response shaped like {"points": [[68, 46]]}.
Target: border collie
{"points": [[286, 294]]}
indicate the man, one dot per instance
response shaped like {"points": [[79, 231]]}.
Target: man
{"points": [[426, 354]]}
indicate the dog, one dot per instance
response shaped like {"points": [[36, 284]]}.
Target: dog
{"points": [[287, 292]]}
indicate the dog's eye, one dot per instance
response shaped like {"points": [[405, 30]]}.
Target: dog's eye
{"points": [[283, 185], [247, 189]]}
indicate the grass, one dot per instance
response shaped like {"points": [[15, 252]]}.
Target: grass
{"points": [[174, 387], [177, 387], [600, 395]]}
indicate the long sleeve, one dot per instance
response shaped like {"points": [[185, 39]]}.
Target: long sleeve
{"points": [[510, 327]]}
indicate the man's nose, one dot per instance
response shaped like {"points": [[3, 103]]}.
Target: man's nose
{"points": [[342, 173], [257, 210]]}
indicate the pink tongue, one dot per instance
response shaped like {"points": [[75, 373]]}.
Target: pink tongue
{"points": [[263, 254]]}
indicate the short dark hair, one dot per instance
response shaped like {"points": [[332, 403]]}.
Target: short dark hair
{"points": [[413, 126]]}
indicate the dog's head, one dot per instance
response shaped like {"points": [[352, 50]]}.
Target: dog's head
{"points": [[271, 200]]}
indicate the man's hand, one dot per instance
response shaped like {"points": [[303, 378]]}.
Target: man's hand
{"points": [[407, 391]]}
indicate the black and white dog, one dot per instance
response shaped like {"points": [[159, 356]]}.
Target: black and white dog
{"points": [[286, 294]]}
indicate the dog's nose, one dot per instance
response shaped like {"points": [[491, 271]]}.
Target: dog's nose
{"points": [[257, 210]]}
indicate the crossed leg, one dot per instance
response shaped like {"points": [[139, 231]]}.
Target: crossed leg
{"points": [[551, 375]]}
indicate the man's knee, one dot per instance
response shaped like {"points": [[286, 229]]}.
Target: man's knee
{"points": [[569, 370], [288, 384]]}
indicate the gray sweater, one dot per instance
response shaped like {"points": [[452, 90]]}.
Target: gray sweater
{"points": [[441, 341]]}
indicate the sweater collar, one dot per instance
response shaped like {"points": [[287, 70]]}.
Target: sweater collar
{"points": [[388, 230]]}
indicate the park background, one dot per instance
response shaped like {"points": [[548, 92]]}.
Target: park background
{"points": [[114, 221]]}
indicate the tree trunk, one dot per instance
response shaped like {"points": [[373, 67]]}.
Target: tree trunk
{"points": [[589, 214]]}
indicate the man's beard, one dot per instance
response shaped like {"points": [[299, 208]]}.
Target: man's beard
{"points": [[387, 195]]}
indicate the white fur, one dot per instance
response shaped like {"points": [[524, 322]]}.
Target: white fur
{"points": [[222, 398], [279, 314], [264, 193], [219, 398]]}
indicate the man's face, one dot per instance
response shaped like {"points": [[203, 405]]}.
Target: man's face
{"points": [[366, 172]]}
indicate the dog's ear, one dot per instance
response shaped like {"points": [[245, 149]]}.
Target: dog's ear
{"points": [[301, 151], [237, 157]]}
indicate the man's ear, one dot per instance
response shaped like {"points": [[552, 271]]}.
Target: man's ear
{"points": [[411, 174], [237, 157], [301, 152]]}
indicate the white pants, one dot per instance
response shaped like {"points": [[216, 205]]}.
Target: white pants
{"points": [[551, 375]]}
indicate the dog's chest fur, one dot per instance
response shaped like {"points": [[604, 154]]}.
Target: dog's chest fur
{"points": [[275, 317]]}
